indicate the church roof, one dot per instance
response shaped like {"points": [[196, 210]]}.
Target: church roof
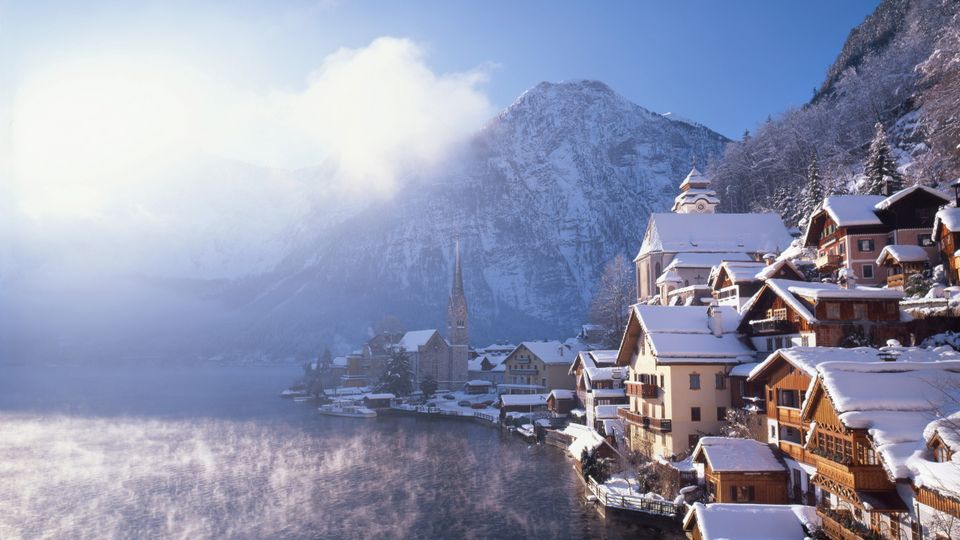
{"points": [[412, 341], [695, 178], [714, 233]]}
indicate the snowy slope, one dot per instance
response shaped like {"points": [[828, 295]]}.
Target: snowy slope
{"points": [[548, 192]]}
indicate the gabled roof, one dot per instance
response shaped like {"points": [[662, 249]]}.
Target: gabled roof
{"points": [[731, 521], [551, 352], [899, 253], [950, 218], [524, 400], [807, 359], [412, 341], [604, 357], [799, 295], [695, 177], [727, 454], [851, 210], [714, 233], [683, 334], [737, 271], [896, 197], [707, 260]]}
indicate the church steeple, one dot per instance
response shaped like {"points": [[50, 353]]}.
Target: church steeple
{"points": [[696, 196], [457, 307], [457, 272]]}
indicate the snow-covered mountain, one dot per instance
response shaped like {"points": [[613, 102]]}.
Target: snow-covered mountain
{"points": [[547, 193]]}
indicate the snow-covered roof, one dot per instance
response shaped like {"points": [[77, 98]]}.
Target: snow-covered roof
{"points": [[561, 393], [523, 400], [553, 352], [742, 370], [741, 271], [790, 291], [478, 382], [683, 334], [601, 373], [695, 177], [727, 454], [771, 270], [708, 260], [706, 233], [900, 253], [850, 210], [950, 218], [730, 521], [607, 411], [604, 357], [892, 199], [379, 396], [340, 361], [808, 358], [411, 341], [895, 402], [584, 437]]}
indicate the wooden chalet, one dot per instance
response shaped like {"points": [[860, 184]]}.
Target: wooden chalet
{"points": [[902, 262], [741, 471], [787, 313], [732, 283], [850, 230], [561, 402], [946, 233], [718, 521]]}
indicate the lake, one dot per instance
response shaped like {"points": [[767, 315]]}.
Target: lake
{"points": [[212, 452]]}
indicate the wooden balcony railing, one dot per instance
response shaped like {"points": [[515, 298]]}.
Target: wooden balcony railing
{"points": [[630, 416], [795, 451], [642, 390], [834, 529], [828, 262], [663, 425], [871, 477], [788, 415], [772, 325], [895, 281]]}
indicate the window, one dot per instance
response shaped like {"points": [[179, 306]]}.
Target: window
{"points": [[890, 240], [661, 381], [721, 381], [805, 341], [860, 312], [694, 381], [742, 493], [941, 454], [865, 246], [721, 414], [924, 240], [695, 414], [770, 344], [833, 310], [868, 271], [773, 432], [692, 440]]}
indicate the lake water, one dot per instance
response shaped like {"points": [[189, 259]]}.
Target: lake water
{"points": [[214, 453]]}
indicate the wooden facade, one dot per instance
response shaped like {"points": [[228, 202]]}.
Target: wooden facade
{"points": [[744, 487]]}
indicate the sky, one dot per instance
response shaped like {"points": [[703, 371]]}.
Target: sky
{"points": [[102, 102]]}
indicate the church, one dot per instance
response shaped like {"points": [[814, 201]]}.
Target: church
{"points": [[680, 247], [445, 360]]}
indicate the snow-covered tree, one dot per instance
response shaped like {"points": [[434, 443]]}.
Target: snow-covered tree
{"points": [[742, 424], [428, 386], [397, 378], [594, 466], [813, 192], [615, 293], [882, 176]]}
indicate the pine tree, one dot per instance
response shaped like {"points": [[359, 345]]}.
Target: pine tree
{"points": [[880, 168], [397, 378], [813, 192], [428, 386], [785, 204]]}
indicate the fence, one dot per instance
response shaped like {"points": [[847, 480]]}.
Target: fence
{"points": [[635, 504]]}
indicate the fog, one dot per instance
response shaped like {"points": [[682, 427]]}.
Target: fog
{"points": [[131, 179]]}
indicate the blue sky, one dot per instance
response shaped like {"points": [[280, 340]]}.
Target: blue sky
{"points": [[725, 64]]}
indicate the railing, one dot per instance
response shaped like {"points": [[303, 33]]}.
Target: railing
{"points": [[642, 390], [524, 371], [788, 415], [663, 425], [834, 529], [827, 261], [793, 450], [634, 503], [772, 324], [630, 416], [895, 280], [871, 477]]}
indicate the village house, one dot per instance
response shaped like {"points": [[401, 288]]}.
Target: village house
{"points": [[733, 283], [598, 382], [946, 233], [848, 231], [783, 380], [787, 313], [750, 522], [741, 471], [678, 358], [561, 402], [868, 423], [541, 365], [521, 404], [701, 239], [488, 365], [900, 262]]}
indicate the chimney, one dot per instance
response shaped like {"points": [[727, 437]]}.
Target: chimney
{"points": [[715, 323], [769, 258]]}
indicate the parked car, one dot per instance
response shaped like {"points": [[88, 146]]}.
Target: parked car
{"points": [[448, 396], [489, 402], [478, 406], [464, 403]]}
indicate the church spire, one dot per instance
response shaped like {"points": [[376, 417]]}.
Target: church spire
{"points": [[457, 272]]}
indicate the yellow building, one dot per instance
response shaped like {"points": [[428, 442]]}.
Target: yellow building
{"points": [[678, 358]]}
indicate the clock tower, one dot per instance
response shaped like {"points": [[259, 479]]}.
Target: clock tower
{"points": [[695, 196]]}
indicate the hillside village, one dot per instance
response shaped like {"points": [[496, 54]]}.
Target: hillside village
{"points": [[759, 366]]}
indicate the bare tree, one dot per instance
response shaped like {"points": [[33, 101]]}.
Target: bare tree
{"points": [[615, 293]]}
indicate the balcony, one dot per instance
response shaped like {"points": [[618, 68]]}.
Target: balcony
{"points": [[789, 415], [642, 390], [866, 477], [840, 525], [662, 425], [774, 325], [524, 371], [828, 262], [895, 281], [795, 452]]}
